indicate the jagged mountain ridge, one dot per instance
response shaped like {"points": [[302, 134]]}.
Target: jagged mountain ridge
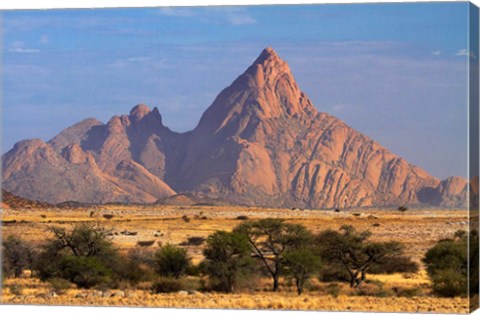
{"points": [[261, 142]]}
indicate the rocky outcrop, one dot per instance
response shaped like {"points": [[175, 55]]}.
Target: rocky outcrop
{"points": [[92, 162], [261, 142]]}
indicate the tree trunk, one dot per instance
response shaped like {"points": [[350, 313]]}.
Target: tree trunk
{"points": [[275, 283], [352, 281], [299, 287]]}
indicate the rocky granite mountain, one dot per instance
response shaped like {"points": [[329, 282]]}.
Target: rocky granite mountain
{"points": [[261, 142]]}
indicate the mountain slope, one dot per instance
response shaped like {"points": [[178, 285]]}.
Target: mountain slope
{"points": [[261, 142]]}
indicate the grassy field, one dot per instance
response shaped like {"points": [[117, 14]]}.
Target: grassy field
{"points": [[417, 229]]}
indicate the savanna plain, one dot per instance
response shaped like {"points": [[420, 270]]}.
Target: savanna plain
{"points": [[150, 227]]}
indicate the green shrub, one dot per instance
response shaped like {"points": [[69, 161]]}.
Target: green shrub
{"points": [[332, 273], [407, 292], [127, 269], [372, 288], [401, 264], [194, 241], [447, 266], [195, 270], [448, 283], [85, 272], [333, 289], [17, 255], [167, 285], [171, 261], [145, 243], [59, 285]]}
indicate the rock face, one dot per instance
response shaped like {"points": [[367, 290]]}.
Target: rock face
{"points": [[261, 142]]}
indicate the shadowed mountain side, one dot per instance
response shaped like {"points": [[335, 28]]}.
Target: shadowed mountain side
{"points": [[261, 142]]}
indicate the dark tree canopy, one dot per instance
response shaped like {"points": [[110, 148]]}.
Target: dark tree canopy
{"points": [[171, 261], [227, 259], [447, 265], [353, 251], [17, 255], [83, 255], [270, 238], [301, 264]]}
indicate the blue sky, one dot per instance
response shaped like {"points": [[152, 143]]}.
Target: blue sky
{"points": [[396, 72]]}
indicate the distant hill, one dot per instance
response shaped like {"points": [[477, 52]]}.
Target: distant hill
{"points": [[189, 199], [261, 143], [10, 201]]}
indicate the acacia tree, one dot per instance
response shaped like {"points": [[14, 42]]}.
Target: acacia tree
{"points": [[447, 264], [82, 240], [354, 252], [402, 209], [227, 259], [17, 255], [301, 264], [83, 255], [270, 239]]}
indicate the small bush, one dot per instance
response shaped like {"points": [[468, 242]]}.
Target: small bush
{"points": [[185, 218], [401, 264], [333, 274], [242, 217], [376, 224], [17, 256], [195, 270], [402, 209], [59, 285], [171, 261], [15, 289], [447, 266], [372, 288], [145, 243], [108, 216], [333, 289], [167, 285], [194, 241], [85, 272], [407, 292], [448, 283]]}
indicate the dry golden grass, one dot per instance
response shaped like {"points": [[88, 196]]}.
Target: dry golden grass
{"points": [[35, 292], [417, 229]]}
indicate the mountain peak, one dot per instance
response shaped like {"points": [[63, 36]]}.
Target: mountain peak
{"points": [[268, 62], [267, 89], [139, 111], [266, 54]]}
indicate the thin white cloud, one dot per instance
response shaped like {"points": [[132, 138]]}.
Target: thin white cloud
{"points": [[19, 47], [138, 59], [436, 52], [25, 50], [180, 12], [229, 15], [239, 16], [465, 52], [122, 63]]}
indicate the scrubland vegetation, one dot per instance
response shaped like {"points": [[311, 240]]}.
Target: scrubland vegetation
{"points": [[258, 263]]}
